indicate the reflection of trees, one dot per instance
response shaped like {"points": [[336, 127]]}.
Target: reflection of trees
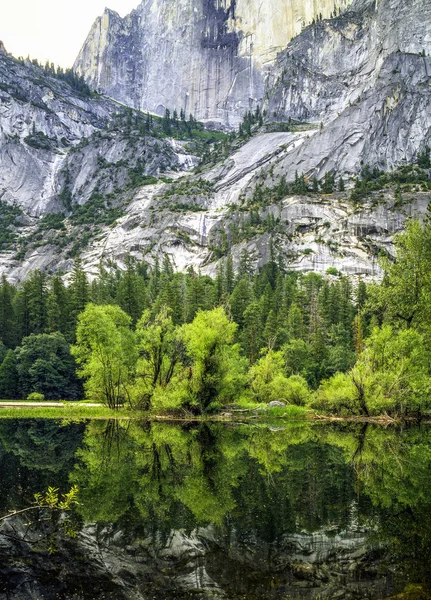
{"points": [[34, 454], [258, 488], [258, 483], [271, 482], [394, 470], [165, 473]]}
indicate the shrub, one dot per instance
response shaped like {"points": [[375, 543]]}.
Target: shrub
{"points": [[35, 397]]}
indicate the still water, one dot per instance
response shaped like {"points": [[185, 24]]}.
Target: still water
{"points": [[170, 511]]}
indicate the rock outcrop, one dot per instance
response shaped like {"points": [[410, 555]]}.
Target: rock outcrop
{"points": [[207, 57], [365, 76], [49, 131]]}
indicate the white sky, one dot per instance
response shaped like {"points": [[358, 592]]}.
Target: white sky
{"points": [[52, 29]]}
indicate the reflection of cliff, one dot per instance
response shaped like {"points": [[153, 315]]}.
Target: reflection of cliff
{"points": [[107, 563]]}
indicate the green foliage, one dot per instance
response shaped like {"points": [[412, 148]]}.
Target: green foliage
{"points": [[52, 221], [250, 120], [424, 158], [55, 505], [52, 498], [45, 366], [297, 391], [35, 397], [216, 371], [9, 378], [373, 180], [105, 352], [406, 290], [8, 219], [189, 187], [160, 350], [96, 211], [267, 379], [37, 139], [75, 81], [391, 376], [212, 370]]}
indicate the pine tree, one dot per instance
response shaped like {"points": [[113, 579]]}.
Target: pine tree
{"points": [[295, 323], [195, 298], [358, 333], [220, 284], [245, 266], [328, 183], [266, 302], [130, 292], [230, 275], [252, 332], [176, 300], [78, 291], [21, 313], [7, 329], [166, 122], [271, 330], [104, 287], [361, 295], [57, 307], [239, 300], [37, 294], [9, 380]]}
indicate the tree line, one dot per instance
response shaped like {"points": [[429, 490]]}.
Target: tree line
{"points": [[153, 338], [308, 316]]}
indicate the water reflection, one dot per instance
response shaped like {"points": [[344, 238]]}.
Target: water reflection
{"points": [[217, 511]]}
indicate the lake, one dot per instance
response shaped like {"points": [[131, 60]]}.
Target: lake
{"points": [[200, 510]]}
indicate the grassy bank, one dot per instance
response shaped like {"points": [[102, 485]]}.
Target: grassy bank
{"points": [[84, 410], [252, 413], [64, 411]]}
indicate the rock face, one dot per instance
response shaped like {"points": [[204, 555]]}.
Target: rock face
{"points": [[42, 122], [365, 76], [359, 83], [208, 57]]}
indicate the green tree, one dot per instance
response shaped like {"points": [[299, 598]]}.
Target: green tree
{"points": [[36, 290], [391, 375], [130, 292], [267, 378], [216, 371], [45, 365], [105, 351], [240, 299], [405, 294], [295, 322], [251, 335], [9, 379], [58, 318], [79, 293], [160, 349], [7, 329]]}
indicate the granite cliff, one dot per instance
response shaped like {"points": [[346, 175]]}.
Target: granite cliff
{"points": [[346, 92], [208, 57]]}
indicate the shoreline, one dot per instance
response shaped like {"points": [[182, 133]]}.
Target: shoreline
{"points": [[76, 410]]}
